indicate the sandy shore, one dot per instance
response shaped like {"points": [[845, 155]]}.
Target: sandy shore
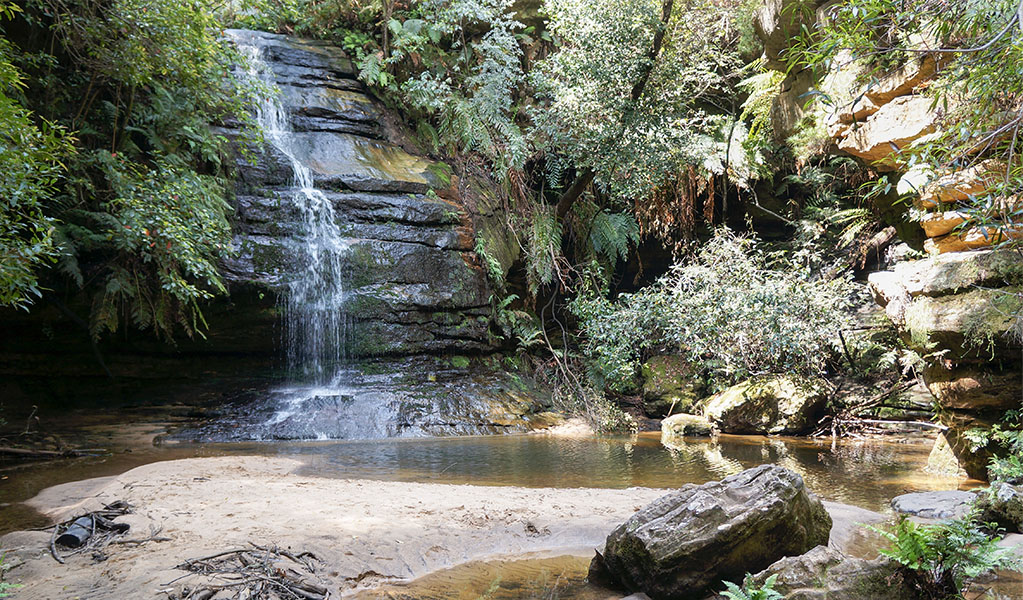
{"points": [[368, 532]]}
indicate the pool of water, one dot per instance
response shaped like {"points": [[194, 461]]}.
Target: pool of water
{"points": [[863, 473], [866, 474]]}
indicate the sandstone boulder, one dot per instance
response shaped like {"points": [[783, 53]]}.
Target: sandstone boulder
{"points": [[949, 273], [941, 223], [974, 387], [942, 459], [1002, 504], [914, 74], [960, 426], [684, 425], [893, 127], [965, 324], [826, 574], [688, 541], [768, 405], [962, 185], [972, 239]]}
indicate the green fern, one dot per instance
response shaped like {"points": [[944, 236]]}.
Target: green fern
{"points": [[611, 235], [751, 591], [543, 248], [944, 557]]}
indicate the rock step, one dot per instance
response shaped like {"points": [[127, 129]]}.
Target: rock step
{"points": [[357, 207]]}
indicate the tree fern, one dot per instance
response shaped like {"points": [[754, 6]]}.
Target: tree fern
{"points": [[542, 249], [611, 235]]}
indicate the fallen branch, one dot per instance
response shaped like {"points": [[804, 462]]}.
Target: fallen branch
{"points": [[35, 453], [91, 531], [254, 573]]}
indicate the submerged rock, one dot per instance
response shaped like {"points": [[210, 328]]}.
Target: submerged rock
{"points": [[825, 574], [934, 505], [688, 541], [767, 405]]}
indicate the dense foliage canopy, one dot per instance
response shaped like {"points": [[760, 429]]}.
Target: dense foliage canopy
{"points": [[111, 169]]}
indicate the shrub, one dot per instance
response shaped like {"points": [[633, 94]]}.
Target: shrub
{"points": [[725, 309], [940, 559]]}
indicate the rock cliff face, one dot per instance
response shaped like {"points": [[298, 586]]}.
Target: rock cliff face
{"points": [[960, 309], [415, 285], [960, 306], [417, 301]]}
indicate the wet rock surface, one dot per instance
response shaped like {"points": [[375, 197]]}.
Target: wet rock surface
{"points": [[934, 505], [388, 398], [414, 285], [682, 544]]}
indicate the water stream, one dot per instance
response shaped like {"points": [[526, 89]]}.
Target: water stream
{"points": [[316, 323]]}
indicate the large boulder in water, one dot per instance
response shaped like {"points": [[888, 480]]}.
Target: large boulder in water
{"points": [[767, 405], [688, 541], [824, 574]]}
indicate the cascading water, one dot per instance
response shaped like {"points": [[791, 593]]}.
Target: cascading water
{"points": [[407, 252], [315, 320]]}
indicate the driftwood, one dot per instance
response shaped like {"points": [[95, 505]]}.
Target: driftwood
{"points": [[17, 452], [848, 422], [35, 443], [254, 573], [91, 531]]}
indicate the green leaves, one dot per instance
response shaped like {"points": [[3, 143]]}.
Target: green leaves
{"points": [[790, 320], [32, 157], [170, 229], [635, 145], [751, 591], [945, 556]]}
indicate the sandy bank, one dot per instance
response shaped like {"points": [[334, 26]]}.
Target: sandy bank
{"points": [[366, 531]]}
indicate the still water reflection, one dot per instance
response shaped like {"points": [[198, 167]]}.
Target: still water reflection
{"points": [[866, 473]]}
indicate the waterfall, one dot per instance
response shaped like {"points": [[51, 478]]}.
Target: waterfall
{"points": [[315, 324]]}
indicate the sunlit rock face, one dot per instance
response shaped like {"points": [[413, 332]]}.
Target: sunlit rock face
{"points": [[961, 306], [411, 284], [768, 405]]}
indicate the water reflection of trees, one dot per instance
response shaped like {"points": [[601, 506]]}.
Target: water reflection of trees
{"points": [[857, 472]]}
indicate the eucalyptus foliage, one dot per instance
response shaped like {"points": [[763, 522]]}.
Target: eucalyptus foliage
{"points": [[587, 88], [725, 309]]}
